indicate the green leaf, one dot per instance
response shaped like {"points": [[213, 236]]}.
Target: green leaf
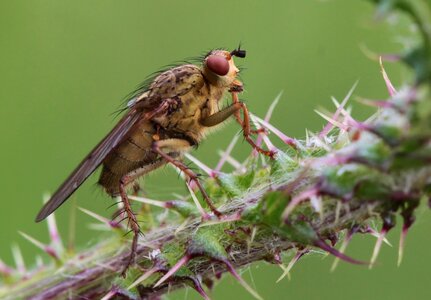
{"points": [[207, 241]]}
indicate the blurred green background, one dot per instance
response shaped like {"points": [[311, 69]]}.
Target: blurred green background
{"points": [[66, 65]]}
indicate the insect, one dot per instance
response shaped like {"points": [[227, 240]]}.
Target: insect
{"points": [[170, 116]]}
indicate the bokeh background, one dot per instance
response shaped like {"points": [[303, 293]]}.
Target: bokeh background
{"points": [[65, 66]]}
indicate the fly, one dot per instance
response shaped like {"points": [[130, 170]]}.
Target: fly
{"points": [[170, 117]]}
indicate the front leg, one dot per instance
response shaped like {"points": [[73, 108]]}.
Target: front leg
{"points": [[234, 109], [237, 87], [235, 99], [221, 116]]}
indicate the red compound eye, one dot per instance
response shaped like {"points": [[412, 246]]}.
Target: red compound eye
{"points": [[218, 64]]}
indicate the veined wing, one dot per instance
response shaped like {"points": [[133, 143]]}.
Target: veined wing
{"points": [[90, 163], [172, 83]]}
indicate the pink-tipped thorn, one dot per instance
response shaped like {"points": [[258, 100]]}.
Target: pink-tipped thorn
{"points": [[183, 261], [224, 219], [107, 222], [286, 139], [377, 247], [110, 294], [5, 270], [375, 103], [401, 244], [210, 172], [144, 277], [349, 120], [201, 210], [356, 124], [234, 273], [192, 184], [19, 260], [293, 261], [226, 154], [170, 204], [376, 234], [233, 162], [51, 251], [265, 138], [162, 204], [198, 288], [335, 116], [298, 199], [117, 293], [391, 90], [267, 118], [375, 56], [262, 134], [270, 145], [343, 248], [39, 262], [271, 108], [54, 233], [408, 221], [322, 245], [332, 121]]}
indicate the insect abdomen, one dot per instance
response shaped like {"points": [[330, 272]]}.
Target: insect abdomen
{"points": [[133, 153]]}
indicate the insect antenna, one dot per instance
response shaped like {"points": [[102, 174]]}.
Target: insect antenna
{"points": [[238, 52]]}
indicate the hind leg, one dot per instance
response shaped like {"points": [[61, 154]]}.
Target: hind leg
{"points": [[130, 215]]}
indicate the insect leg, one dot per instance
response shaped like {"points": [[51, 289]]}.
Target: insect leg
{"points": [[238, 116], [130, 215], [221, 115], [234, 109], [132, 222], [225, 113], [177, 144], [246, 132]]}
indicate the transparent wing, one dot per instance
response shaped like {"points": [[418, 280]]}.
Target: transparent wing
{"points": [[90, 163], [169, 84]]}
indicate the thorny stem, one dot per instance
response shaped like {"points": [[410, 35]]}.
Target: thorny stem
{"points": [[335, 181], [92, 281]]}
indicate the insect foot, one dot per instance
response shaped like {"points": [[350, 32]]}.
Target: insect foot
{"points": [[132, 222]]}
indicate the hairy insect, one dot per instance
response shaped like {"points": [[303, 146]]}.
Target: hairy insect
{"points": [[169, 117]]}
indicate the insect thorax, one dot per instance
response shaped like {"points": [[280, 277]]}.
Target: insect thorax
{"points": [[196, 104]]}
